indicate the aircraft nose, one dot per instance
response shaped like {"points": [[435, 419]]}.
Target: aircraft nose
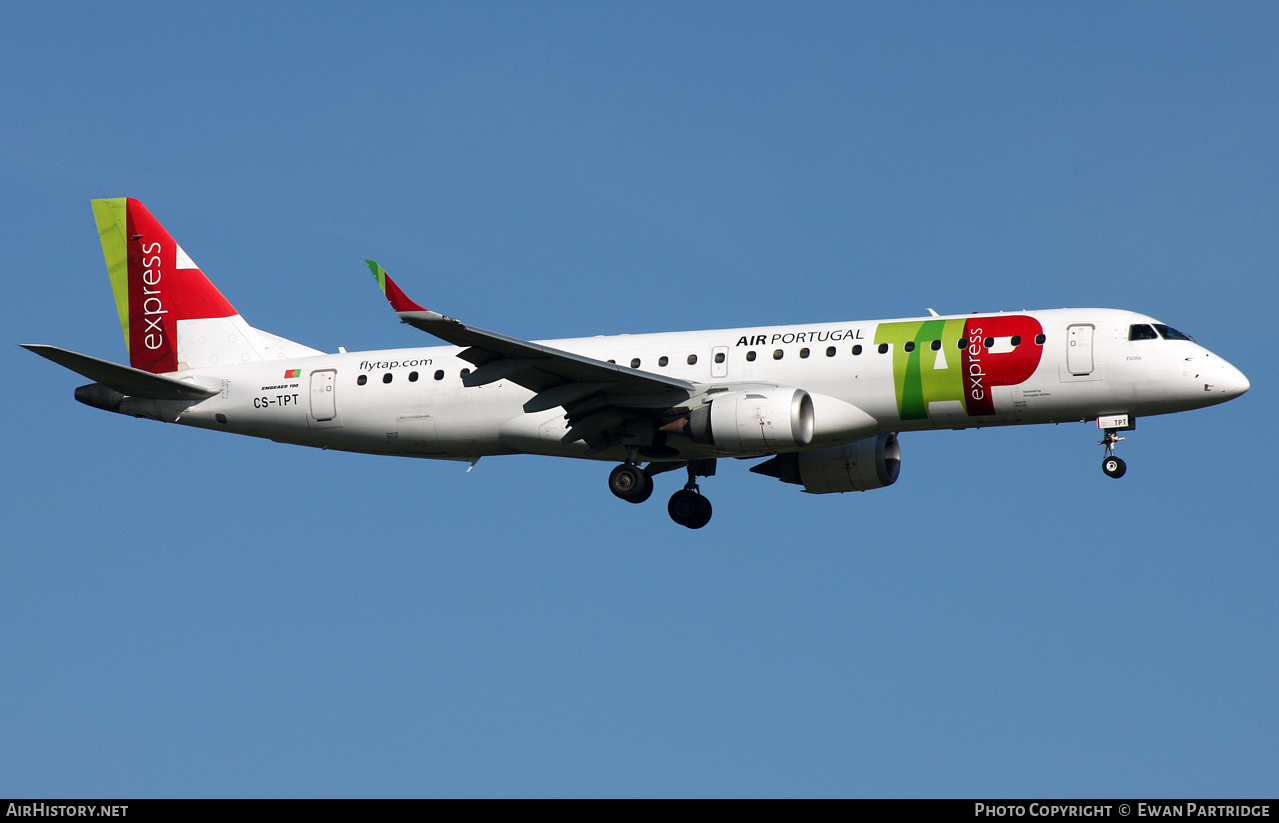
{"points": [[1230, 381]]}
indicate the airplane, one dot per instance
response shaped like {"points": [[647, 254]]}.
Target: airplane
{"points": [[824, 403]]}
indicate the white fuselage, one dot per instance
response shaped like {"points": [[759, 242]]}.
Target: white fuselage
{"points": [[953, 372]]}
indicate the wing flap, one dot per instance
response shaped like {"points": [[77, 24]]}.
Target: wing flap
{"points": [[501, 368], [564, 394]]}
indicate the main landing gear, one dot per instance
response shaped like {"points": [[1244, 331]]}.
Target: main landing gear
{"points": [[631, 483], [687, 506], [1113, 466]]}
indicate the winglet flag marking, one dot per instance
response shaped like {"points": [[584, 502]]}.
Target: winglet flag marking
{"points": [[397, 298]]}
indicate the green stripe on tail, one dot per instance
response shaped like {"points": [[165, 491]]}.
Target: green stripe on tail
{"points": [[113, 227]]}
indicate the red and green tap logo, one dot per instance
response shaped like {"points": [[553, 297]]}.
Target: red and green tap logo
{"points": [[961, 359]]}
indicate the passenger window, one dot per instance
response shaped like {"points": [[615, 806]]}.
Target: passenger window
{"points": [[961, 344], [1140, 331], [692, 360], [989, 342], [386, 378], [830, 351], [412, 377], [464, 373], [1039, 339], [439, 375], [663, 360], [1016, 341], [778, 354], [361, 380], [803, 353], [857, 349], [719, 356], [910, 346], [635, 361], [935, 345], [883, 348], [750, 356]]}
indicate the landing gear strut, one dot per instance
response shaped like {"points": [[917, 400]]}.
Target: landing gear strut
{"points": [[1110, 464], [687, 507]]}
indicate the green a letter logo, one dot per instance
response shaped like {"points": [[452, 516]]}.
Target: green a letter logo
{"points": [[960, 359]]}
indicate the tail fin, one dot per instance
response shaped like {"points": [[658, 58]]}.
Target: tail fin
{"points": [[173, 317]]}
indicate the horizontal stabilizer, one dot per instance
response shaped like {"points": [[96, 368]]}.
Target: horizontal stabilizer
{"points": [[126, 380]]}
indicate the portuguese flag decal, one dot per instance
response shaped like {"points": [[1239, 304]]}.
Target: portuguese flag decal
{"points": [[292, 373]]}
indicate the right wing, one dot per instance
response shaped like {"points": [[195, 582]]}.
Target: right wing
{"points": [[601, 399]]}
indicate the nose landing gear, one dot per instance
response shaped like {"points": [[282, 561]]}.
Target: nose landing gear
{"points": [[1110, 464], [1111, 425]]}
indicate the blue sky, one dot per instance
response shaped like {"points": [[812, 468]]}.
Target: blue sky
{"points": [[187, 614]]}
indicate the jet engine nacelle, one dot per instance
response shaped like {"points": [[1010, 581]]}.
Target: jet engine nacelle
{"points": [[853, 467], [755, 421]]}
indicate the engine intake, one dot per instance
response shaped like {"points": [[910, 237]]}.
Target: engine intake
{"points": [[871, 463], [759, 421]]}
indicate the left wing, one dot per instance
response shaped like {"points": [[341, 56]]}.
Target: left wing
{"points": [[124, 379], [603, 400]]}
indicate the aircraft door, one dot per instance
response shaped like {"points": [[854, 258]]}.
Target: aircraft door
{"points": [[323, 402], [1079, 349]]}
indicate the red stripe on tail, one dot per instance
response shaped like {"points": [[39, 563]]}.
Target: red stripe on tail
{"points": [[161, 293]]}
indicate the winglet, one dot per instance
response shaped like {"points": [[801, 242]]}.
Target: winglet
{"points": [[398, 299]]}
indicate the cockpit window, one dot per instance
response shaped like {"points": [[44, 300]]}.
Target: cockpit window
{"points": [[1169, 333], [1141, 331]]}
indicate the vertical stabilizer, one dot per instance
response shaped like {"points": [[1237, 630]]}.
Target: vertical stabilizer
{"points": [[173, 317]]}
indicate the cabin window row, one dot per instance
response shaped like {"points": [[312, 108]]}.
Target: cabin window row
{"points": [[413, 376], [720, 357], [831, 351], [665, 361]]}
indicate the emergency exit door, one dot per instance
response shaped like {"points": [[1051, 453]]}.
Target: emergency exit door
{"points": [[323, 403]]}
